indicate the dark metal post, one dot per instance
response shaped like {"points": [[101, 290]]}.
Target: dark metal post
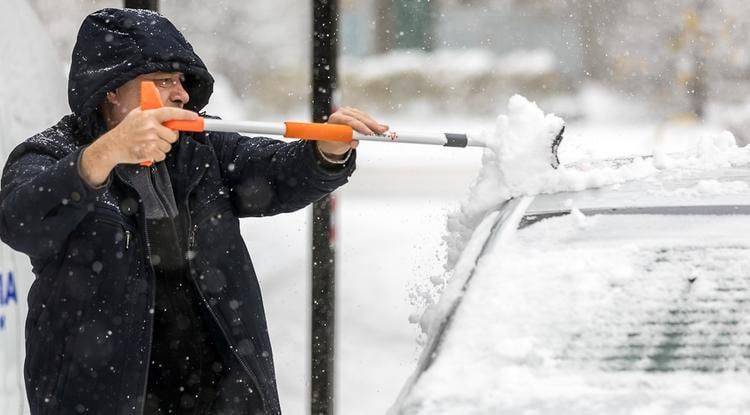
{"points": [[325, 43], [142, 4]]}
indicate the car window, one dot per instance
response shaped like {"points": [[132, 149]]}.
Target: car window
{"points": [[590, 314]]}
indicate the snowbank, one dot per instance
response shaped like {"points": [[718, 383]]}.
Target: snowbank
{"points": [[448, 81], [451, 64]]}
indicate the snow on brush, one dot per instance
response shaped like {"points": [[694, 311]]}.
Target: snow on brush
{"points": [[518, 161]]}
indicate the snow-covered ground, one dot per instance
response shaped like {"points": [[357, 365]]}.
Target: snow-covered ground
{"points": [[391, 220]]}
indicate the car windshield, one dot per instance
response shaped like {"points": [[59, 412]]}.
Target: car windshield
{"points": [[601, 314]]}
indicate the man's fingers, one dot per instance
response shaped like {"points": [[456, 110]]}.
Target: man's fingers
{"points": [[356, 124], [159, 156], [163, 146], [167, 134], [365, 119], [368, 120], [157, 150], [169, 113]]}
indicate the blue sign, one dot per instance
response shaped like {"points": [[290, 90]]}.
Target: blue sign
{"points": [[7, 294], [7, 290]]}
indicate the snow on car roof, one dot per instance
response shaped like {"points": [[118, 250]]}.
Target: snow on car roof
{"points": [[601, 314], [728, 186]]}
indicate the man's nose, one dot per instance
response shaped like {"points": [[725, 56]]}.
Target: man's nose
{"points": [[178, 93]]}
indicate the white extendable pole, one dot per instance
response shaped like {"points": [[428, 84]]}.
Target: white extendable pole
{"points": [[280, 129], [249, 127]]}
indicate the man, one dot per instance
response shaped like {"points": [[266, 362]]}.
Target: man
{"points": [[145, 298]]}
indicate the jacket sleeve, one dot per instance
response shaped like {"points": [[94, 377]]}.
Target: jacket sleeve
{"points": [[43, 198], [267, 176]]}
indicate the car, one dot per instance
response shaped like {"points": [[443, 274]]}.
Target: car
{"points": [[631, 298]]}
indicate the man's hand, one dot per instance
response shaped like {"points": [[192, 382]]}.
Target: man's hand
{"points": [[139, 137], [359, 121]]}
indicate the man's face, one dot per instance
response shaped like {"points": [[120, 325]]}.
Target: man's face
{"points": [[128, 97]]}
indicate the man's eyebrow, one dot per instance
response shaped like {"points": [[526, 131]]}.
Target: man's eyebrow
{"points": [[164, 75]]}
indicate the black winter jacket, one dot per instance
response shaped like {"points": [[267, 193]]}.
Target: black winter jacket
{"points": [[89, 327]]}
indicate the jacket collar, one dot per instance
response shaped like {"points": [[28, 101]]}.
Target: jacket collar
{"points": [[188, 162]]}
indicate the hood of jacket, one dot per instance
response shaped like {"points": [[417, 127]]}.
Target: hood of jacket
{"points": [[115, 46]]}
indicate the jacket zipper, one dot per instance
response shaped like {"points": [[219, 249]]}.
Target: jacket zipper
{"points": [[124, 227], [151, 311], [191, 246], [152, 300]]}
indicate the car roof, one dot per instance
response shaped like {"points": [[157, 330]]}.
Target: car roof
{"points": [[667, 189]]}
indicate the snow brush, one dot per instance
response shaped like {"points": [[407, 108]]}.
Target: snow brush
{"points": [[150, 99]]}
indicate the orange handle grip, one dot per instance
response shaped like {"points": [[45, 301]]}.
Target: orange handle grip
{"points": [[318, 131], [150, 99], [196, 126]]}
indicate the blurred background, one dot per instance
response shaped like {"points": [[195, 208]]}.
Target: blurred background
{"points": [[626, 77], [683, 58]]}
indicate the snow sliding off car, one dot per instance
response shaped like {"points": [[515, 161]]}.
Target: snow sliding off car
{"points": [[633, 298]]}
